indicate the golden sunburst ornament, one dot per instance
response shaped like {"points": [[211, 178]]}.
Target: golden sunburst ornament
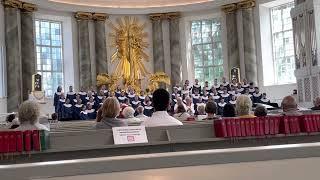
{"points": [[129, 40]]}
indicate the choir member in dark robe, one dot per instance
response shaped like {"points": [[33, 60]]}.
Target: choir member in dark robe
{"points": [[148, 109], [185, 92], [92, 114], [225, 83], [83, 95], [118, 92], [240, 89], [196, 97], [234, 82], [78, 98], [100, 96], [135, 103], [67, 111], [251, 88], [215, 97], [232, 90], [236, 92], [92, 102], [187, 84], [101, 103], [145, 102], [220, 90], [256, 96], [142, 96], [205, 97], [206, 87], [104, 90], [71, 95], [215, 84], [77, 108], [196, 86], [175, 93], [221, 105], [233, 100], [122, 97], [246, 92], [264, 99], [225, 95], [56, 98], [245, 84], [131, 95], [84, 113], [61, 102]]}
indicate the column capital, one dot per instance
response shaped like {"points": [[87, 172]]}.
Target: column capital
{"points": [[83, 16], [12, 3], [247, 4], [229, 8], [173, 15], [156, 17], [100, 16], [28, 7], [164, 16]]}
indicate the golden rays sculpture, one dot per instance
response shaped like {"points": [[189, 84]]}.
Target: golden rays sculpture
{"points": [[130, 42]]}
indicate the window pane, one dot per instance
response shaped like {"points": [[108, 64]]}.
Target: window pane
{"points": [[283, 47], [207, 49], [49, 54]]}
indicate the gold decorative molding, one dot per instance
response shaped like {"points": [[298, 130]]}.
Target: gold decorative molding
{"points": [[12, 4], [28, 7], [229, 8], [99, 16], [83, 16], [246, 4], [164, 16]]}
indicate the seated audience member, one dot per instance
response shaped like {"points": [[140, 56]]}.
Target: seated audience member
{"points": [[67, 111], [128, 116], [289, 106], [221, 105], [56, 98], [189, 106], [54, 118], [244, 107], [148, 109], [71, 95], [264, 99], [109, 111], [161, 101], [316, 104], [29, 113], [201, 112], [256, 96], [181, 113], [84, 113], [12, 121], [211, 110], [179, 102], [260, 111], [77, 108], [140, 114], [229, 111]]}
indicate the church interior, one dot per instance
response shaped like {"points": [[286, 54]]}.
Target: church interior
{"points": [[159, 89]]}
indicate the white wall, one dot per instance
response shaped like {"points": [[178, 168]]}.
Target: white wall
{"points": [[287, 169]]}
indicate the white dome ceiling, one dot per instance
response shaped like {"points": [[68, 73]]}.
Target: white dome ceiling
{"points": [[130, 6]]}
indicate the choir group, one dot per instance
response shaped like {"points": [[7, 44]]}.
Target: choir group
{"points": [[84, 105]]}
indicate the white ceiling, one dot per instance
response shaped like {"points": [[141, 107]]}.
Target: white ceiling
{"points": [[129, 6]]}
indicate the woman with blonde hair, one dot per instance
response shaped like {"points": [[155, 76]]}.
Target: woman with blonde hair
{"points": [[244, 107], [29, 113], [107, 114]]}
